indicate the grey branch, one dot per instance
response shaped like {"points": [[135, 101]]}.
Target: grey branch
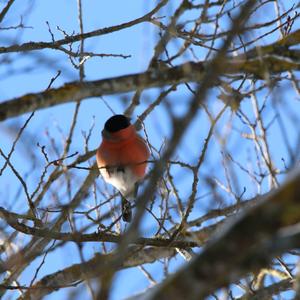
{"points": [[71, 39], [259, 234], [97, 266], [274, 58]]}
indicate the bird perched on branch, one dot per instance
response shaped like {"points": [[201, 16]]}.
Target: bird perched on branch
{"points": [[122, 159]]}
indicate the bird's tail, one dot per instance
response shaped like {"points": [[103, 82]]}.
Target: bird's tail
{"points": [[127, 202], [126, 210]]}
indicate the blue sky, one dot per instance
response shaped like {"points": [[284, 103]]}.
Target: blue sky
{"points": [[138, 42]]}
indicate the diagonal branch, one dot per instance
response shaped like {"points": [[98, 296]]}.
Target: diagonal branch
{"points": [[274, 58], [5, 9], [248, 244], [269, 291], [71, 39], [96, 266]]}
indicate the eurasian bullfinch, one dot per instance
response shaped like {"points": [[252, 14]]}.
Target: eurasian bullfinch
{"points": [[122, 159]]}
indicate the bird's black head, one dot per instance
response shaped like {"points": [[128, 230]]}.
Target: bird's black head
{"points": [[116, 123]]}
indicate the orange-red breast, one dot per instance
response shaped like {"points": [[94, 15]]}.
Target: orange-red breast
{"points": [[121, 159]]}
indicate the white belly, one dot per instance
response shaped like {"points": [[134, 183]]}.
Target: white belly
{"points": [[124, 180]]}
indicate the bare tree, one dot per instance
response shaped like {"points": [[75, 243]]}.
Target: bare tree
{"points": [[218, 104]]}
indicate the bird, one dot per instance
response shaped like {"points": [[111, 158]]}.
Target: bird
{"points": [[122, 159]]}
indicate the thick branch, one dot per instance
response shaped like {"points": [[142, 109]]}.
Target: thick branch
{"points": [[188, 72], [272, 59], [97, 266], [247, 245], [269, 291]]}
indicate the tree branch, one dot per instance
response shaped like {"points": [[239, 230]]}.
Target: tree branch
{"points": [[274, 58], [248, 244], [77, 237], [75, 38], [96, 266], [5, 9]]}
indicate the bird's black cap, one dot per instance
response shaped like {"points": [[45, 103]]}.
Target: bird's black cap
{"points": [[116, 123]]}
